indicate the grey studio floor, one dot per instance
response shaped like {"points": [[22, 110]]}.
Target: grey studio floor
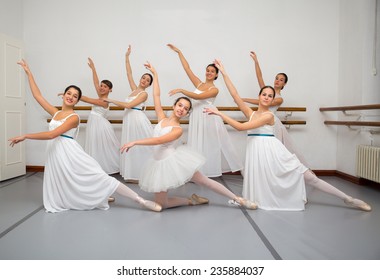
{"points": [[326, 230]]}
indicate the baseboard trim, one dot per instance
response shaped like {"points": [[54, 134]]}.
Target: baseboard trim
{"points": [[35, 168], [340, 174]]}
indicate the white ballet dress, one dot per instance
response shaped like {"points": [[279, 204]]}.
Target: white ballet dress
{"points": [[208, 135], [171, 166], [136, 125], [72, 178], [273, 177], [101, 141], [282, 134]]}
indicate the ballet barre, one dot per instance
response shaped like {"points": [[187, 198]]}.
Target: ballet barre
{"points": [[288, 110], [360, 116]]}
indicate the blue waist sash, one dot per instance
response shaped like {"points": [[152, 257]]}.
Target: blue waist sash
{"points": [[260, 134], [134, 108], [66, 136]]}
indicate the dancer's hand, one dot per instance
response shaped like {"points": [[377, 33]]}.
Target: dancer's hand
{"points": [[175, 91], [212, 111], [174, 48], [128, 51], [219, 65], [24, 65], [126, 147], [16, 140], [253, 55], [91, 63], [150, 67]]}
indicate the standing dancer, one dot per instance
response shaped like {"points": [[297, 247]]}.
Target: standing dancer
{"points": [[273, 177], [208, 134], [280, 130], [101, 141], [72, 178], [172, 165], [136, 124]]}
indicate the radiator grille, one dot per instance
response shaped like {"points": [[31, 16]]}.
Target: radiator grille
{"points": [[368, 162]]}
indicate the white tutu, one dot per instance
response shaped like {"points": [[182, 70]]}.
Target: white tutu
{"points": [[172, 171]]}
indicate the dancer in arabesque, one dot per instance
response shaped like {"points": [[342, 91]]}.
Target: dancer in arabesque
{"points": [[72, 178]]}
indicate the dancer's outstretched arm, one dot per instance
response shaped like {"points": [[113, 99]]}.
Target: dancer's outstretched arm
{"points": [[95, 77], [193, 78], [36, 91], [247, 111], [128, 68]]}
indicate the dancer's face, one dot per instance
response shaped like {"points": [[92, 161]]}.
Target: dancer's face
{"points": [[266, 97], [211, 73], [104, 89], [145, 81], [181, 108], [71, 97], [279, 81]]}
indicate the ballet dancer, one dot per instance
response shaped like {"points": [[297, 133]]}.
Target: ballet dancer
{"points": [[171, 165], [101, 141], [72, 178], [274, 178], [280, 130], [136, 124], [207, 134]]}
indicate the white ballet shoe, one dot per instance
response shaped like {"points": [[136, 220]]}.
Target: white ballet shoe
{"points": [[198, 200], [357, 203], [243, 202]]}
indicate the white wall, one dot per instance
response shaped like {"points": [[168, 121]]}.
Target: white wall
{"points": [[298, 37], [11, 18], [357, 82]]}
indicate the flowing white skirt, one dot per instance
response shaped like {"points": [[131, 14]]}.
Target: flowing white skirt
{"points": [[273, 177], [102, 143], [136, 125], [209, 136], [73, 179]]}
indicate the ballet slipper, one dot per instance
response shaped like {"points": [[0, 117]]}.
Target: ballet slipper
{"points": [[357, 203], [111, 199], [151, 205], [244, 202], [197, 200]]}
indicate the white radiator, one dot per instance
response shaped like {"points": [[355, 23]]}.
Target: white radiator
{"points": [[368, 162]]}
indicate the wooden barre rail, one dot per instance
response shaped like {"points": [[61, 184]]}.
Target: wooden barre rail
{"points": [[353, 123], [349, 108], [220, 108], [187, 122], [169, 108]]}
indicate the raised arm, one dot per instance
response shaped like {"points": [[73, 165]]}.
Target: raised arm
{"points": [[194, 79], [247, 111], [156, 93], [128, 67], [36, 91], [95, 77], [259, 74]]}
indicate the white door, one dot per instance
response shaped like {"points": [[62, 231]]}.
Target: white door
{"points": [[12, 108]]}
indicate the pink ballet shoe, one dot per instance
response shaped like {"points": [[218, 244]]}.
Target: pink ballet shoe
{"points": [[198, 200], [244, 202], [151, 205], [357, 203], [111, 199]]}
